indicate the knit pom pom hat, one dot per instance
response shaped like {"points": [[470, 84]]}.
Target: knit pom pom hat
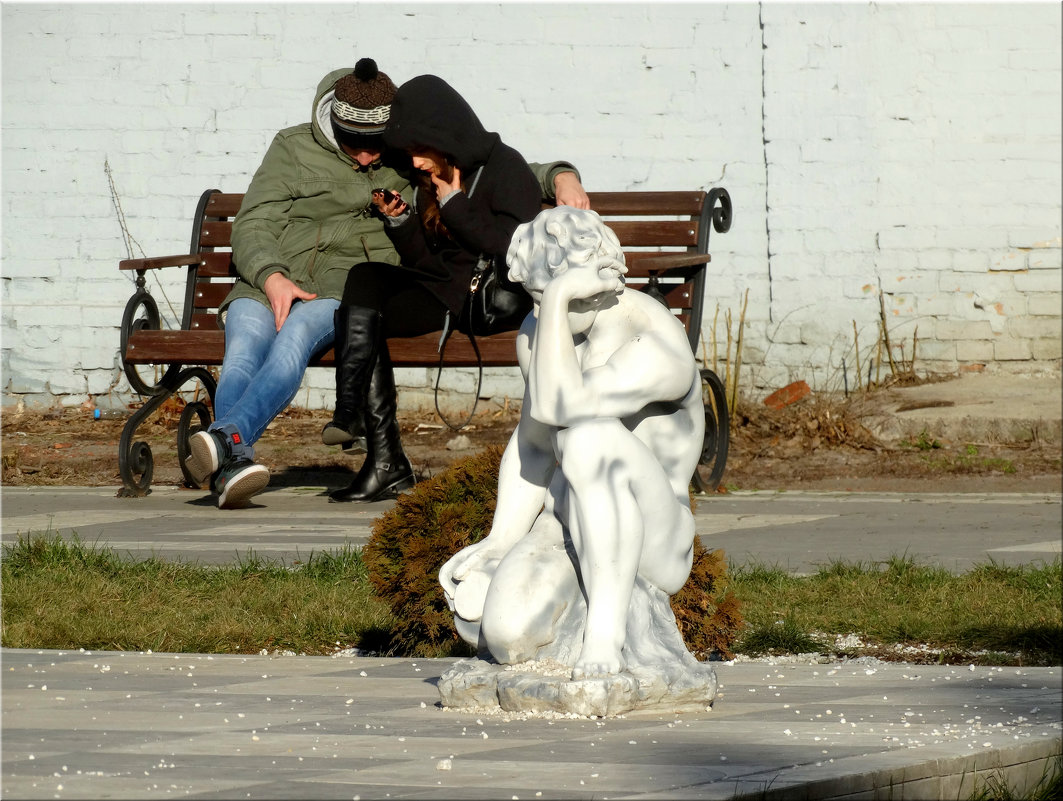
{"points": [[362, 101]]}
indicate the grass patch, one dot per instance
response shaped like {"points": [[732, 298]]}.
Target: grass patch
{"points": [[923, 442], [967, 463], [65, 595], [69, 595], [1048, 788], [1011, 613]]}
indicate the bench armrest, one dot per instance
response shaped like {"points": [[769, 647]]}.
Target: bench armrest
{"points": [[189, 260]]}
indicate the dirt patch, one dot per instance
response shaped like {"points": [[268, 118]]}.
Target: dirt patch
{"points": [[814, 444]]}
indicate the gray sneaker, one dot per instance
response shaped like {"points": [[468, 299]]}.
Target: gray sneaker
{"points": [[207, 450], [238, 481]]}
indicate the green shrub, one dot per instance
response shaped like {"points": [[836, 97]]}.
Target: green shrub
{"points": [[443, 514]]}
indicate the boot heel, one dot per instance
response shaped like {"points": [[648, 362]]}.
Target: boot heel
{"points": [[355, 446]]}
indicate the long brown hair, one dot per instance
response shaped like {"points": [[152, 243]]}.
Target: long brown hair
{"points": [[433, 220]]}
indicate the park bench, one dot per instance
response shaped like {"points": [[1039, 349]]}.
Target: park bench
{"points": [[665, 236]]}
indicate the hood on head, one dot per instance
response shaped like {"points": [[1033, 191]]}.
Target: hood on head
{"points": [[428, 112], [320, 114]]}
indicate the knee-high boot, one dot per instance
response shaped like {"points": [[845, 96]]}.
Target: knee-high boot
{"points": [[386, 469], [357, 339]]}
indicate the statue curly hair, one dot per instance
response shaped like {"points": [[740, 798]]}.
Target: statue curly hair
{"points": [[560, 238]]}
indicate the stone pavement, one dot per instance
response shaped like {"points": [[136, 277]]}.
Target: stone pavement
{"points": [[976, 407], [135, 725]]}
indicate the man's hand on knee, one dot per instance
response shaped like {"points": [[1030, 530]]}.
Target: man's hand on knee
{"points": [[282, 292]]}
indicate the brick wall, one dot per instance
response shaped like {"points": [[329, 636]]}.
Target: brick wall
{"points": [[898, 159]]}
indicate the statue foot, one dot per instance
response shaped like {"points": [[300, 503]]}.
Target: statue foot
{"points": [[598, 660]]}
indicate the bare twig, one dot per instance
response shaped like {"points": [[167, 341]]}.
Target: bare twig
{"points": [[127, 237], [856, 348], [715, 355], [738, 354], [727, 362], [885, 331]]}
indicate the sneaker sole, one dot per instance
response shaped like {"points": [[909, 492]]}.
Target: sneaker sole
{"points": [[244, 487], [202, 461]]}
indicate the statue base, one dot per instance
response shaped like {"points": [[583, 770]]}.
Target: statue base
{"points": [[547, 687]]}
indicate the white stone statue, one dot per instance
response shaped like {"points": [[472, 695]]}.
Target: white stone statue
{"points": [[593, 529]]}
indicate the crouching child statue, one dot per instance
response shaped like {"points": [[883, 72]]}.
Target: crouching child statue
{"points": [[593, 529]]}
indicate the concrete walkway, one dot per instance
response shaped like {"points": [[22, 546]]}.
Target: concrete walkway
{"points": [[133, 725]]}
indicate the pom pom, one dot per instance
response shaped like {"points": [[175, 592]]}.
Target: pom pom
{"points": [[365, 69]]}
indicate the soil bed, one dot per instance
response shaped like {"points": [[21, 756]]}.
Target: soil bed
{"points": [[810, 445]]}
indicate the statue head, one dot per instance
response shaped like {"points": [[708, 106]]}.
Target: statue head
{"points": [[560, 239]]}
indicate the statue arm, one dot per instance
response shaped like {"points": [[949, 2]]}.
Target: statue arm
{"points": [[523, 478], [651, 362]]}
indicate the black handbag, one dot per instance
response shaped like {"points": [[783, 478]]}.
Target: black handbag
{"points": [[494, 303]]}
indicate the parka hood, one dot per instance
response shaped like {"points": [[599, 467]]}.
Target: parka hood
{"points": [[428, 112], [319, 114]]}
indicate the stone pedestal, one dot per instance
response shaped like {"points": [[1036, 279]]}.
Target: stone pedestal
{"points": [[547, 686]]}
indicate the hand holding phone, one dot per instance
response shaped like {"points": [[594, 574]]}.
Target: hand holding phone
{"points": [[388, 202]]}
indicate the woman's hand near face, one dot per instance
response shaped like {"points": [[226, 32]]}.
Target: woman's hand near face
{"points": [[444, 188]]}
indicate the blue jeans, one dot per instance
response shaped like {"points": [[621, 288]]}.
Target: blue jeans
{"points": [[263, 367]]}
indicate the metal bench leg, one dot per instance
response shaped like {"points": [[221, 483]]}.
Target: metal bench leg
{"points": [[135, 461], [709, 472]]}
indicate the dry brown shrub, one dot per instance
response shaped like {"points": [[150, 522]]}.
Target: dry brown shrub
{"points": [[813, 422]]}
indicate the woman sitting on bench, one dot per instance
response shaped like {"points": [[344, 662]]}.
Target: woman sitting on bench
{"points": [[472, 193]]}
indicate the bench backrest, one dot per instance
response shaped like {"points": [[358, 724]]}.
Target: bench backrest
{"points": [[649, 225]]}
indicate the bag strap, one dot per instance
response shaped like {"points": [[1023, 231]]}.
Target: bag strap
{"points": [[443, 339]]}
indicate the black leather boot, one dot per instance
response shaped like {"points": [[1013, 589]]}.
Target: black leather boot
{"points": [[386, 470], [357, 338]]}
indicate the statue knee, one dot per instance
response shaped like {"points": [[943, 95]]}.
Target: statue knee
{"points": [[592, 451], [506, 638]]}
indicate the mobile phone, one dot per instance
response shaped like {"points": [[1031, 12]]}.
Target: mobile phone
{"points": [[388, 195]]}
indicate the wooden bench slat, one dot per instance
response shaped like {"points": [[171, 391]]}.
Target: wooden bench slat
{"points": [[150, 346], [203, 321], [215, 234], [642, 233], [646, 203], [217, 265], [222, 204], [497, 350], [211, 295]]}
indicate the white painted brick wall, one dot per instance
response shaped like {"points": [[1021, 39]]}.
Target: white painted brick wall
{"points": [[910, 149]]}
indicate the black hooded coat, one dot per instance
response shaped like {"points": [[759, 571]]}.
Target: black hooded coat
{"points": [[428, 112]]}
